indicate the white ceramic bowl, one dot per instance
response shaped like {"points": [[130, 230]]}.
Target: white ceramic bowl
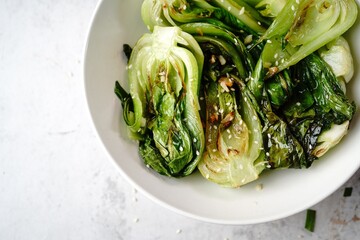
{"points": [[285, 192]]}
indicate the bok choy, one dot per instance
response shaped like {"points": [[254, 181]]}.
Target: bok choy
{"points": [[162, 108], [234, 88]]}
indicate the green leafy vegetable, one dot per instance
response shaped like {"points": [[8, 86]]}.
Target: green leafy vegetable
{"points": [[305, 26], [162, 108], [272, 75]]}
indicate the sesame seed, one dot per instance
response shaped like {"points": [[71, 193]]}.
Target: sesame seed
{"points": [[215, 127], [221, 110], [230, 136], [215, 107], [228, 130], [136, 220], [267, 154], [207, 176], [254, 118], [256, 142], [147, 165], [202, 98], [232, 89], [269, 41], [229, 8], [181, 149], [242, 10], [243, 180], [214, 150], [292, 7], [178, 231], [194, 140], [276, 55], [298, 104], [248, 39], [259, 23], [197, 153], [276, 63], [209, 140], [259, 187], [227, 104]]}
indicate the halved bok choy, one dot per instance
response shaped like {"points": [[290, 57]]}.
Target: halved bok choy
{"points": [[161, 109]]}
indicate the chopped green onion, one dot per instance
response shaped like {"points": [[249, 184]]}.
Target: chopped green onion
{"points": [[348, 192], [310, 220]]}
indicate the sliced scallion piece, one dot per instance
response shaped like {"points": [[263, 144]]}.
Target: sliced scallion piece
{"points": [[310, 220]]}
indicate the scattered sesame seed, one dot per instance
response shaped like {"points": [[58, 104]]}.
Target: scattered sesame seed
{"points": [[267, 154], [207, 176], [242, 10], [202, 98], [259, 23], [227, 104], [230, 136], [214, 150], [228, 130], [215, 127], [181, 148], [256, 142], [292, 7], [195, 140], [197, 153], [248, 39], [259, 187], [178, 231], [136, 220], [147, 165], [229, 8], [276, 55], [243, 180], [209, 140], [221, 110], [232, 89], [298, 104], [269, 41]]}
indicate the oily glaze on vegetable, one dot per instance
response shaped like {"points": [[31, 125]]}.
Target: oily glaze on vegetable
{"points": [[238, 87]]}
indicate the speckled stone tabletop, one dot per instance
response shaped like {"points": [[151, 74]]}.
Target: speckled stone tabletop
{"points": [[56, 181]]}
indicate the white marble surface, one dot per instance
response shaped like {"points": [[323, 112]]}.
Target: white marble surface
{"points": [[56, 182]]}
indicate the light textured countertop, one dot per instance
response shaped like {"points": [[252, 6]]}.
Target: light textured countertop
{"points": [[56, 181]]}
